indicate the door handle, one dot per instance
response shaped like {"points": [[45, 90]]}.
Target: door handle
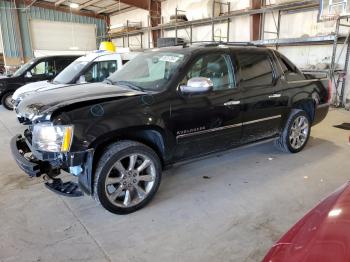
{"points": [[231, 103], [275, 96]]}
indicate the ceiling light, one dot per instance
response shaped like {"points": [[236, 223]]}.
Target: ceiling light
{"points": [[73, 5]]}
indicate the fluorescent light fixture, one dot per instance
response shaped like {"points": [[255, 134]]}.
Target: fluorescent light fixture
{"points": [[74, 48], [74, 5]]}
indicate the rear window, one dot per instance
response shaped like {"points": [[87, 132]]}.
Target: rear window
{"points": [[256, 69], [286, 65]]}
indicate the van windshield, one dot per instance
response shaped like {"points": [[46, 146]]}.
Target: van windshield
{"points": [[148, 71], [70, 72]]}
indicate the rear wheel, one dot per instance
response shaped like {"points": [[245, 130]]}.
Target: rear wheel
{"points": [[127, 177], [296, 132], [6, 101]]}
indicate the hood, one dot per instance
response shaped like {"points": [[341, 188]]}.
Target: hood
{"points": [[32, 87], [42, 104], [322, 235]]}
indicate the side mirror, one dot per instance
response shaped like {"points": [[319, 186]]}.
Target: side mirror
{"points": [[81, 80], [197, 85], [29, 74]]}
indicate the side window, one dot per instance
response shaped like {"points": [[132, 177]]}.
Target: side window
{"points": [[286, 67], [216, 67], [61, 64], [256, 69], [92, 75], [40, 69], [106, 68]]}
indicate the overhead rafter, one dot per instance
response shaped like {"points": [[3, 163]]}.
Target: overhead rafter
{"points": [[58, 2], [108, 9], [143, 4], [63, 8], [88, 3]]}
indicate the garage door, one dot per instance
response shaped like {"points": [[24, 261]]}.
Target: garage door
{"points": [[62, 36]]}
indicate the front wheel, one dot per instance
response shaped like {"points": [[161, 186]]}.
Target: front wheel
{"points": [[296, 132], [127, 177], [6, 101]]}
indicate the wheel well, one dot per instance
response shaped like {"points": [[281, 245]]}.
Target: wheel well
{"points": [[150, 138], [307, 106]]}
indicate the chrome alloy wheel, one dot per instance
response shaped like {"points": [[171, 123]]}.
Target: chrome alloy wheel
{"points": [[130, 180], [299, 132]]}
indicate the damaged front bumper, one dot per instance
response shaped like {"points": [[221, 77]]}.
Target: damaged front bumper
{"points": [[36, 163]]}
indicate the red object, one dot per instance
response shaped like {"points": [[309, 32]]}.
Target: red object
{"points": [[322, 235]]}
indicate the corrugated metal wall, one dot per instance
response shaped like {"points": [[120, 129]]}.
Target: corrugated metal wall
{"points": [[8, 30], [8, 26]]}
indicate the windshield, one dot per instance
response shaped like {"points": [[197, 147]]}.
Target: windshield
{"points": [[24, 68], [70, 72], [148, 71]]}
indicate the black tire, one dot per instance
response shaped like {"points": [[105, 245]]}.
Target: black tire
{"points": [[113, 153], [5, 101], [283, 142]]}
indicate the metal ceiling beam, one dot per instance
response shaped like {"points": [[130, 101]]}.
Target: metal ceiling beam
{"points": [[65, 9], [111, 8], [118, 12], [143, 4], [88, 3], [58, 2]]}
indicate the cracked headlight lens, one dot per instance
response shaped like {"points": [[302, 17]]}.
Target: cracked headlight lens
{"points": [[52, 138]]}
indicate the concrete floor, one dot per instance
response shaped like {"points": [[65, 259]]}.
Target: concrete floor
{"points": [[253, 196]]}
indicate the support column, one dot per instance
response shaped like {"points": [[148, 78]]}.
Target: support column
{"points": [[18, 31], [155, 13], [255, 33]]}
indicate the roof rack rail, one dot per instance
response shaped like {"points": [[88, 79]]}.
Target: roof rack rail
{"points": [[217, 43]]}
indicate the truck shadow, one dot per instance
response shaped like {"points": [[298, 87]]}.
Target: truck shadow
{"points": [[246, 163]]}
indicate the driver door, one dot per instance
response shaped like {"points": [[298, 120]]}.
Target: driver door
{"points": [[204, 123]]}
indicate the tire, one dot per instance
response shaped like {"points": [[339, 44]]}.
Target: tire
{"points": [[6, 101], [288, 140], [129, 189]]}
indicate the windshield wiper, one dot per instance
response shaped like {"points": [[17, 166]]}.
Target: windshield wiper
{"points": [[129, 85]]}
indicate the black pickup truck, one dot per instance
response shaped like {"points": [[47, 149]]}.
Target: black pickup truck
{"points": [[164, 106]]}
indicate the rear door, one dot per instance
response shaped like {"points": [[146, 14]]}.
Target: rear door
{"points": [[261, 94]]}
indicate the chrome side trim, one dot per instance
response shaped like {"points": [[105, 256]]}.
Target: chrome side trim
{"points": [[208, 130], [230, 103], [275, 96], [306, 80], [227, 127], [261, 119]]}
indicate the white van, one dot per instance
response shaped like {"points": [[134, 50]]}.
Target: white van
{"points": [[94, 67]]}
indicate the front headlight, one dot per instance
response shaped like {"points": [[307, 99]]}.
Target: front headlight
{"points": [[52, 138]]}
